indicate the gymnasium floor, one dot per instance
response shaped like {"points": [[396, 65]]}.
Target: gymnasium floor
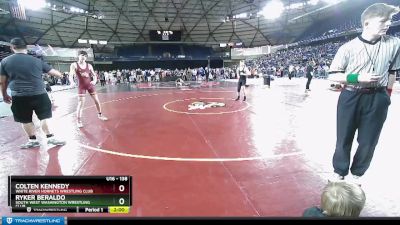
{"points": [[267, 157]]}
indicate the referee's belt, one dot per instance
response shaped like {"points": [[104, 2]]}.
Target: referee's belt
{"points": [[367, 90]]}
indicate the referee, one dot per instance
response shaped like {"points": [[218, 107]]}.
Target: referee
{"points": [[366, 66], [22, 73]]}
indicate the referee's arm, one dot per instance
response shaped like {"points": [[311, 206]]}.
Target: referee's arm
{"points": [[393, 71], [361, 78], [338, 66], [337, 77], [337, 70], [392, 79]]}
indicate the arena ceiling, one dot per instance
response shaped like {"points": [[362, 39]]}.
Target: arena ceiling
{"points": [[129, 22]]}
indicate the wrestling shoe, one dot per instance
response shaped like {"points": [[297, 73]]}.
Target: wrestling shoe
{"points": [[30, 144]]}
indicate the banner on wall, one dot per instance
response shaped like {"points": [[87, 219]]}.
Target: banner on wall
{"points": [[50, 52], [242, 53]]}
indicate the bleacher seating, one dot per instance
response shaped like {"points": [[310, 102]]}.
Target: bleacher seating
{"points": [[197, 52], [165, 50], [298, 56], [160, 51], [133, 51], [344, 22]]}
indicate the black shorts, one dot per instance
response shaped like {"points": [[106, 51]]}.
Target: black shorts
{"points": [[242, 82], [23, 107]]}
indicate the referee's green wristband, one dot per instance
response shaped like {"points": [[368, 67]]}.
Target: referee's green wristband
{"points": [[352, 78]]}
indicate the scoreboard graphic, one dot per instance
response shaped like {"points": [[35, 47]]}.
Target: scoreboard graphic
{"points": [[70, 194]]}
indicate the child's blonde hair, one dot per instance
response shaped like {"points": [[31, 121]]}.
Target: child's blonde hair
{"points": [[342, 199]]}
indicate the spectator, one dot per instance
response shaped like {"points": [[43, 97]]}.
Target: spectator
{"points": [[339, 199]]}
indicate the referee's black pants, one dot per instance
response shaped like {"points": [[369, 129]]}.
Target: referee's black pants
{"points": [[365, 112], [309, 78]]}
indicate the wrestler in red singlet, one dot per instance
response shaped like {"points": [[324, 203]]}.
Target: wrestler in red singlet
{"points": [[83, 76], [82, 70]]}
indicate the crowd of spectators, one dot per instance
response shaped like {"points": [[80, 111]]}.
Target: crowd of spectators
{"points": [[294, 59], [348, 23], [157, 75]]}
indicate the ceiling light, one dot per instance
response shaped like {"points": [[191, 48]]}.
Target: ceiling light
{"points": [[273, 9], [33, 4]]}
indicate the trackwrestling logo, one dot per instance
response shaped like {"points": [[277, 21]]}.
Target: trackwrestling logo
{"points": [[205, 105], [33, 220]]}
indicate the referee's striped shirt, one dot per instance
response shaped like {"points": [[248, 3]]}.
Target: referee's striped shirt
{"points": [[362, 56]]}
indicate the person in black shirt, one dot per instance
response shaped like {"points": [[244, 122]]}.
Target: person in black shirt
{"points": [[243, 72], [22, 73], [309, 74]]}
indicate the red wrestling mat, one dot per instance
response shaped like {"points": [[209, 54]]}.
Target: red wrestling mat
{"points": [[268, 156]]}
